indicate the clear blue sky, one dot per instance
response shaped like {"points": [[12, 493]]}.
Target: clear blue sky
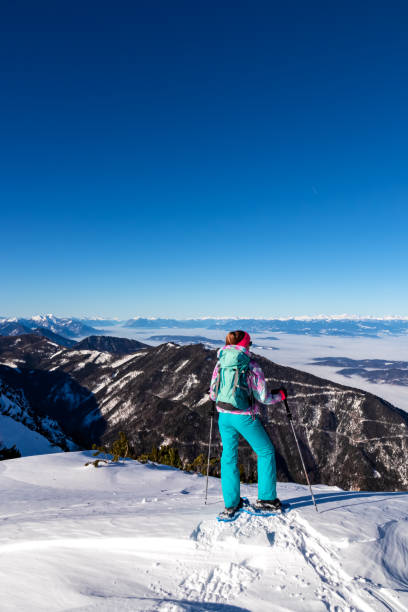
{"points": [[203, 158]]}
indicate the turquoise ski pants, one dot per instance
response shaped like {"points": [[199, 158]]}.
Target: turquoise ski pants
{"points": [[231, 426]]}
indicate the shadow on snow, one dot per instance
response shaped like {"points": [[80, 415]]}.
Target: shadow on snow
{"points": [[325, 498]]}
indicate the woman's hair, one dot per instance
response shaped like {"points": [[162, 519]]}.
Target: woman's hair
{"points": [[234, 337]]}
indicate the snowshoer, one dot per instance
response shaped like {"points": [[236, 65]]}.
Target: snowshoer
{"points": [[238, 387]]}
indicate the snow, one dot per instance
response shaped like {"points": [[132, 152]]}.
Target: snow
{"points": [[11, 364], [203, 400], [123, 360], [191, 381], [182, 365], [124, 380], [27, 441], [92, 357], [40, 317], [103, 382], [103, 357], [127, 408], [139, 537]]}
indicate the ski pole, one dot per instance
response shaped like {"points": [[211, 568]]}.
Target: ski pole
{"points": [[209, 451], [289, 415]]}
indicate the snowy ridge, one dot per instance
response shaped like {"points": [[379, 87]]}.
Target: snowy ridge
{"points": [[138, 537], [163, 392]]}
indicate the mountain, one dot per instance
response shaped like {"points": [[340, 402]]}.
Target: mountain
{"points": [[11, 328], [100, 321], [129, 536], [110, 344], [21, 367], [369, 327], [373, 370], [57, 338], [67, 327], [17, 329], [155, 323], [158, 396], [27, 350], [320, 326]]}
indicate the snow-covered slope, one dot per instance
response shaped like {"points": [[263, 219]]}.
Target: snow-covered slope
{"points": [[138, 537], [20, 426], [27, 441]]}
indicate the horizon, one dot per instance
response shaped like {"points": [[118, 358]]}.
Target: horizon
{"points": [[319, 317]]}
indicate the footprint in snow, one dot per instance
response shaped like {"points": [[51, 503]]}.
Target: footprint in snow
{"points": [[245, 530], [218, 584]]}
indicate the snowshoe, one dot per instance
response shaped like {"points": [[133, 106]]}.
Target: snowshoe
{"points": [[268, 507], [230, 514], [271, 505]]}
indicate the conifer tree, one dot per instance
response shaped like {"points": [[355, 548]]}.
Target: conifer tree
{"points": [[119, 449], [9, 453]]}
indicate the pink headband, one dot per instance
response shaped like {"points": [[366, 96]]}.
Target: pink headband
{"points": [[246, 341]]}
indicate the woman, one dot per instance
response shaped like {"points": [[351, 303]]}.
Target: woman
{"points": [[238, 386]]}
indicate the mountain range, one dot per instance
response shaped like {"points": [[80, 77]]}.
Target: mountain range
{"points": [[330, 326], [159, 396], [67, 327], [319, 326], [373, 370]]}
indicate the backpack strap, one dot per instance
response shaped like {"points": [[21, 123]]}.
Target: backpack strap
{"points": [[217, 381], [236, 380]]}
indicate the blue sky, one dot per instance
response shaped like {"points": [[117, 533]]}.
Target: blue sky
{"points": [[203, 158]]}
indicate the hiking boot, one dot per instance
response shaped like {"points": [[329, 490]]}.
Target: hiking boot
{"points": [[273, 505]]}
